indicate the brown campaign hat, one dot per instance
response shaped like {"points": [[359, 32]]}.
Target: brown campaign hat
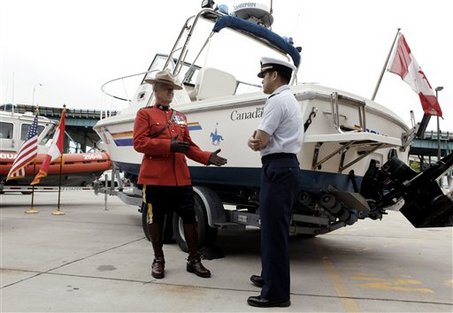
{"points": [[165, 77]]}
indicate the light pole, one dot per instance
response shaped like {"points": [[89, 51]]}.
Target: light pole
{"points": [[438, 88], [40, 85]]}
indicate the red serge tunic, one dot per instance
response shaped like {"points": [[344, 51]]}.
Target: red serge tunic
{"points": [[159, 165]]}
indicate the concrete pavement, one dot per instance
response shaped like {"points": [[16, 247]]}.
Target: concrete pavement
{"points": [[97, 260]]}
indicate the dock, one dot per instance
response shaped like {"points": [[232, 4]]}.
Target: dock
{"points": [[95, 258]]}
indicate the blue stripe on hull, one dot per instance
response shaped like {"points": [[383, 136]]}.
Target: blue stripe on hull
{"points": [[311, 181], [126, 142]]}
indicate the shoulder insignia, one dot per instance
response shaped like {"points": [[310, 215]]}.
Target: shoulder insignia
{"points": [[274, 94]]}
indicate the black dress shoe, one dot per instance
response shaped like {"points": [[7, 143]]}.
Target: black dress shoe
{"points": [[257, 280], [264, 303]]}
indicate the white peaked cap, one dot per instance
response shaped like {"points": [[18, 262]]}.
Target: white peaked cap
{"points": [[268, 63]]}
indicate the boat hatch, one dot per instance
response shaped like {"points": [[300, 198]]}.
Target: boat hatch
{"points": [[362, 141]]}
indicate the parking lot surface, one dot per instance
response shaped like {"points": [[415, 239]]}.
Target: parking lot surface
{"points": [[95, 260]]}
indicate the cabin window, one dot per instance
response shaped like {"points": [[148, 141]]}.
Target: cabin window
{"points": [[24, 130], [6, 130]]}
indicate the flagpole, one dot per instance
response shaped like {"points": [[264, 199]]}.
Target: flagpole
{"points": [[57, 211], [32, 209], [385, 66]]}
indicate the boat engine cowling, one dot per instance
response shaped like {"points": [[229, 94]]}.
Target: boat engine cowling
{"points": [[425, 204]]}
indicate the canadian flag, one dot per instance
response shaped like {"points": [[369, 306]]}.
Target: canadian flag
{"points": [[404, 64], [55, 150]]}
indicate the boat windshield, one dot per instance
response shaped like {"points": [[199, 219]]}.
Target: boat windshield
{"points": [[24, 130], [46, 135], [188, 70]]}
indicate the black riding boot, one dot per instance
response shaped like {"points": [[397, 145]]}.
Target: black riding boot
{"points": [[156, 234], [194, 260]]}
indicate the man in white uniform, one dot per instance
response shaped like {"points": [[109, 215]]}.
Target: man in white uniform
{"points": [[278, 138]]}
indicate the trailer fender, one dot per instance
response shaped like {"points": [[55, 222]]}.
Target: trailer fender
{"points": [[215, 211]]}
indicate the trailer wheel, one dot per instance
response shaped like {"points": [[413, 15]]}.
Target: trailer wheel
{"points": [[168, 230], [206, 234], [328, 200]]}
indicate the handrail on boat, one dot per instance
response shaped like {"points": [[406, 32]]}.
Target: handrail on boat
{"points": [[191, 28], [122, 78], [336, 112]]}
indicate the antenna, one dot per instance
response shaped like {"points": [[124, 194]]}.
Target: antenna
{"points": [[271, 11]]}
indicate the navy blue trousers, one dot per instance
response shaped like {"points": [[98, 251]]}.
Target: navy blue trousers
{"points": [[278, 181]]}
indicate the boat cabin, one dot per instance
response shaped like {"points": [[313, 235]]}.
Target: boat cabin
{"points": [[14, 128]]}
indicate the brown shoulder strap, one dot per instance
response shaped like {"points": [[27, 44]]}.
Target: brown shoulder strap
{"points": [[160, 131]]}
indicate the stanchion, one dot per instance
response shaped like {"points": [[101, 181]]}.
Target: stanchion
{"points": [[106, 190], [58, 212]]}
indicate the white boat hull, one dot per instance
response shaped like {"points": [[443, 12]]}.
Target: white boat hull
{"points": [[227, 123]]}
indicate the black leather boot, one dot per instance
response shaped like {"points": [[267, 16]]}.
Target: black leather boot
{"points": [[158, 268], [156, 234], [194, 260]]}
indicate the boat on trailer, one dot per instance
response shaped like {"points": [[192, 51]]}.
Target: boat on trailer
{"points": [[353, 163], [78, 169]]}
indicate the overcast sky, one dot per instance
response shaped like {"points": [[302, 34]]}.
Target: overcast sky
{"points": [[73, 47]]}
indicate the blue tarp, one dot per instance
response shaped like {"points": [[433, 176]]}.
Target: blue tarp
{"points": [[259, 31]]}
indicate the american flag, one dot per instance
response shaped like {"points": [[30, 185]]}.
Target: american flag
{"points": [[27, 152], [55, 150]]}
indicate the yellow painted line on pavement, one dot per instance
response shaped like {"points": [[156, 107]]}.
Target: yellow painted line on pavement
{"points": [[367, 278], [393, 284], [340, 287]]}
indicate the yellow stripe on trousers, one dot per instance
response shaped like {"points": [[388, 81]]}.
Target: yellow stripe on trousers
{"points": [[150, 206]]}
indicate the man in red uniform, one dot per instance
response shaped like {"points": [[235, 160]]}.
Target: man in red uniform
{"points": [[162, 135]]}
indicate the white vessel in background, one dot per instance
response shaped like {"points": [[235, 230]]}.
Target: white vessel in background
{"points": [[353, 163]]}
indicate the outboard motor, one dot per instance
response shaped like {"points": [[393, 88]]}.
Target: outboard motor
{"points": [[425, 204]]}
